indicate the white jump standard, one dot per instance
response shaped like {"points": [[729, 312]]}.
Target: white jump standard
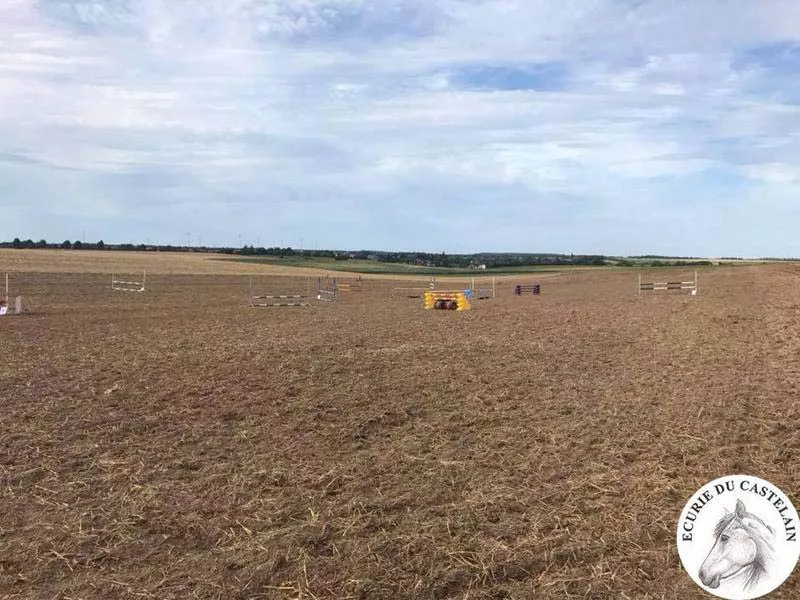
{"points": [[690, 286], [327, 293], [483, 293], [5, 306]]}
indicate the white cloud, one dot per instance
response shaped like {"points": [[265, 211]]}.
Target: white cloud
{"points": [[776, 173], [318, 103]]}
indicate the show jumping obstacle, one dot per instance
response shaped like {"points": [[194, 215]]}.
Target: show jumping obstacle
{"points": [[484, 293], [5, 309], [408, 292], [446, 300], [691, 286], [349, 286], [533, 289], [414, 292], [278, 300], [327, 293], [128, 286]]}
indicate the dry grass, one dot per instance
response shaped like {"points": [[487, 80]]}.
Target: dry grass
{"points": [[156, 263], [181, 263], [177, 444]]}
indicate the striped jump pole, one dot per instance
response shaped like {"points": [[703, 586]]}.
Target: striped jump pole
{"points": [[275, 300], [128, 286], [663, 286]]}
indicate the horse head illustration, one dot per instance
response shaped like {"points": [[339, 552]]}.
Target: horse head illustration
{"points": [[742, 549]]}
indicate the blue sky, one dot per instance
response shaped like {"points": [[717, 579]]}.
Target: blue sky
{"points": [[586, 126]]}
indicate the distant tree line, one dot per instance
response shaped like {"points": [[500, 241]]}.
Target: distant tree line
{"points": [[663, 262], [43, 244], [100, 245], [425, 259], [414, 258], [481, 260], [659, 257]]}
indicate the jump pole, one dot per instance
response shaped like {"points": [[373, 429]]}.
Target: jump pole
{"points": [[7, 291]]}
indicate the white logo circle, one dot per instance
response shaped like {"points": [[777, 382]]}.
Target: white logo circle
{"points": [[738, 537]]}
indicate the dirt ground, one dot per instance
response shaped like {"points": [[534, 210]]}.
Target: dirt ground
{"points": [[178, 444]]}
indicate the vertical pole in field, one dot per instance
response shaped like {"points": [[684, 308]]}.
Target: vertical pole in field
{"points": [[473, 285], [9, 307], [695, 282], [144, 279], [112, 279], [640, 283], [250, 282], [493, 292]]}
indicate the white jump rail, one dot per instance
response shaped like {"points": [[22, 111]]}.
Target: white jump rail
{"points": [[269, 301], [690, 286], [128, 286]]}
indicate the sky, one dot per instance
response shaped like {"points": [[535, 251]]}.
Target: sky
{"points": [[617, 127]]}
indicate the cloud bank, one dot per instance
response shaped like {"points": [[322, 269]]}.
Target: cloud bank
{"points": [[602, 126]]}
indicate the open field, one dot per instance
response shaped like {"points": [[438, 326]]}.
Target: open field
{"points": [[374, 267], [203, 263], [177, 444], [188, 263], [103, 261]]}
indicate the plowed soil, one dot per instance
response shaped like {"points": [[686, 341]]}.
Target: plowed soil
{"points": [[178, 444]]}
